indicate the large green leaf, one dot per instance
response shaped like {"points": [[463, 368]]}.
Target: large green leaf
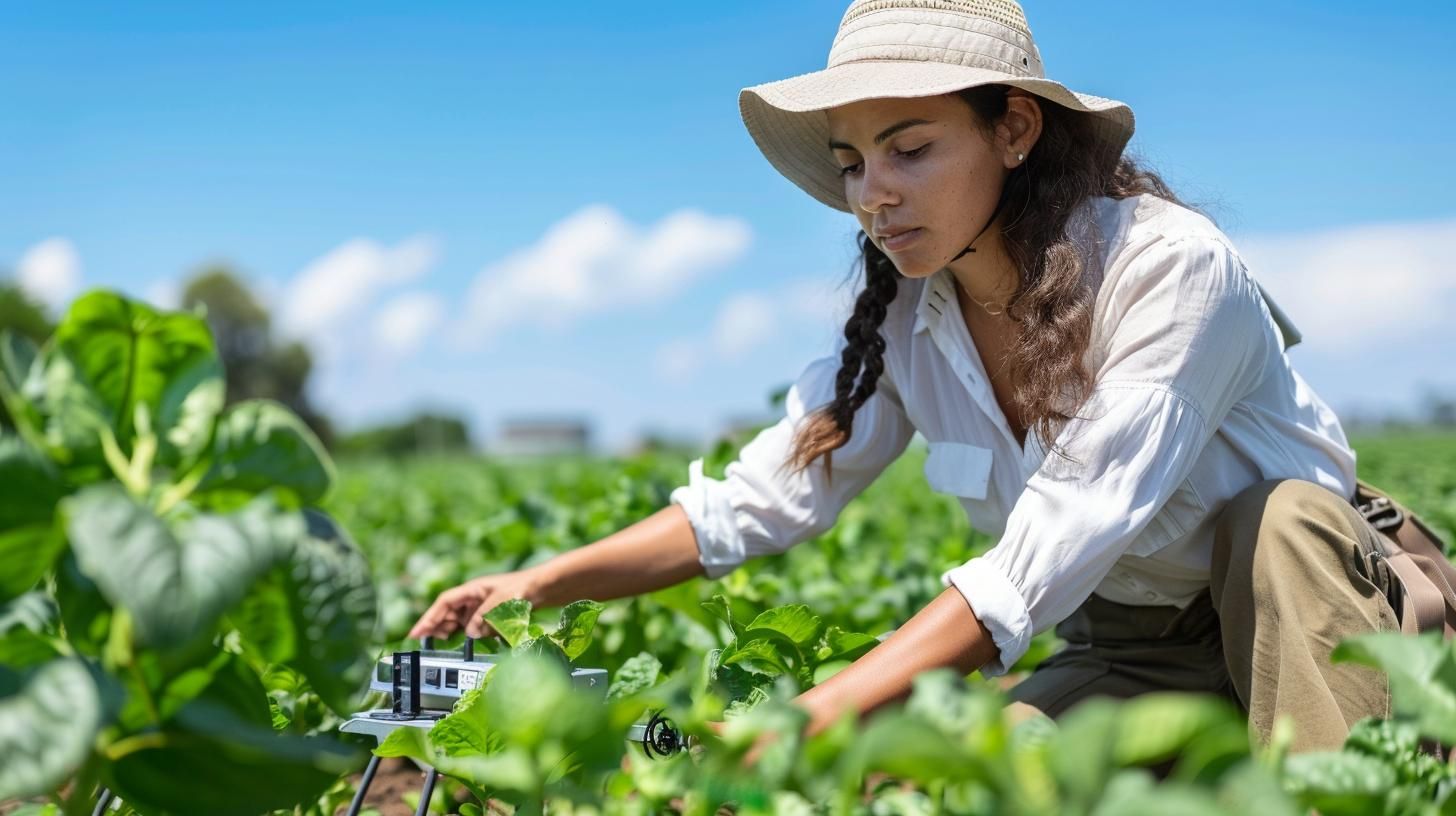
{"points": [[1134, 794], [227, 683], [17, 355], [33, 486], [794, 622], [46, 726], [523, 696], [466, 732], [1154, 727], [71, 419], [758, 655], [1422, 673], [315, 611], [128, 355], [413, 743], [33, 611], [333, 605], [242, 773], [511, 620], [1338, 782], [1082, 757], [85, 612], [529, 700], [638, 673], [1251, 788], [24, 624], [174, 586], [26, 554], [907, 746], [575, 632], [265, 620], [261, 444], [17, 358], [29, 542]]}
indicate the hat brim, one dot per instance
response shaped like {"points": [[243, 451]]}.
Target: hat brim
{"points": [[788, 121]]}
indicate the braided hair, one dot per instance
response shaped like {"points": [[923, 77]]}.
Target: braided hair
{"points": [[860, 364]]}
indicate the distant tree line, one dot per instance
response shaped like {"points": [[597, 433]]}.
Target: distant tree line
{"points": [[424, 433]]}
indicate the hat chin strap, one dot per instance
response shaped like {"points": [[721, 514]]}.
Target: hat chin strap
{"points": [[971, 247]]}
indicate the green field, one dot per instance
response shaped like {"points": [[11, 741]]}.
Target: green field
{"points": [[192, 594], [432, 523]]}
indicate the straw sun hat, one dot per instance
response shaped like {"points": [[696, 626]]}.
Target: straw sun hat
{"points": [[909, 48]]}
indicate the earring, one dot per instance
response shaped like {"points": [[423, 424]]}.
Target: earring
{"points": [[1020, 156]]}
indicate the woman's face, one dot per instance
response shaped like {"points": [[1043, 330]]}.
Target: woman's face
{"points": [[923, 165]]}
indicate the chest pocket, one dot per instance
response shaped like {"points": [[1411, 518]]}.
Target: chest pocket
{"points": [[958, 469]]}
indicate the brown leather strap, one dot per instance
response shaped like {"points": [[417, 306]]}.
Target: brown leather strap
{"points": [[1425, 606], [1419, 561]]}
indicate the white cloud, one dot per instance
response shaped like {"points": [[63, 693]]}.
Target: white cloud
{"points": [[336, 288], [592, 261], [1345, 288], [50, 272], [403, 324], [679, 360], [819, 301], [745, 321]]}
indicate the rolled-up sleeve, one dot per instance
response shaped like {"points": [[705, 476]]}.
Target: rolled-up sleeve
{"points": [[760, 506], [1188, 336]]}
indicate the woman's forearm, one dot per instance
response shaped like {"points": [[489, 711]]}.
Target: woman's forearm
{"points": [[652, 554], [945, 633]]}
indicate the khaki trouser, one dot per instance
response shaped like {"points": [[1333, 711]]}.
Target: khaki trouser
{"points": [[1292, 577]]}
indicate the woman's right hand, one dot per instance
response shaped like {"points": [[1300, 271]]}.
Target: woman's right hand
{"points": [[464, 605]]}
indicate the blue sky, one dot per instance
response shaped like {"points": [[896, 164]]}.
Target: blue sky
{"points": [[448, 202]]}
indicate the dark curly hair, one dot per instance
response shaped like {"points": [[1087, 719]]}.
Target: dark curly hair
{"points": [[1052, 304]]}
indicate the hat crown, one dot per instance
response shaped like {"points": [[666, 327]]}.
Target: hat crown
{"points": [[988, 34]]}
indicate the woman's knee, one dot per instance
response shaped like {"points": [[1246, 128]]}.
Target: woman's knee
{"points": [[1272, 525]]}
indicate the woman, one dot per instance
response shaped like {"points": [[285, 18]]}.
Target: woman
{"points": [[1101, 383]]}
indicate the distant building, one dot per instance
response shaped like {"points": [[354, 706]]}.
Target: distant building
{"points": [[542, 437]]}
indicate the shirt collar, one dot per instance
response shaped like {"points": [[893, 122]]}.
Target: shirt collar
{"points": [[934, 301]]}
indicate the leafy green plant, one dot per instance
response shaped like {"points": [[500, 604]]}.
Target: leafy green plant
{"points": [[528, 734], [157, 556], [785, 641], [433, 522]]}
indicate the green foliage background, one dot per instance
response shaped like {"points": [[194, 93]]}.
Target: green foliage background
{"points": [[184, 619]]}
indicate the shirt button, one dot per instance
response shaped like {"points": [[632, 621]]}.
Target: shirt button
{"points": [[1152, 596]]}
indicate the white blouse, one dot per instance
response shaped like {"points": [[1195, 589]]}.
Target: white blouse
{"points": [[1194, 400]]}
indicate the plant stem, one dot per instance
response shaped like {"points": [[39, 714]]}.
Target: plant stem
{"points": [[139, 742], [151, 702], [141, 463], [120, 465], [183, 488], [120, 653]]}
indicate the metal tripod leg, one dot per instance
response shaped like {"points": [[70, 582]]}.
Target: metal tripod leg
{"points": [[364, 786], [428, 792]]}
